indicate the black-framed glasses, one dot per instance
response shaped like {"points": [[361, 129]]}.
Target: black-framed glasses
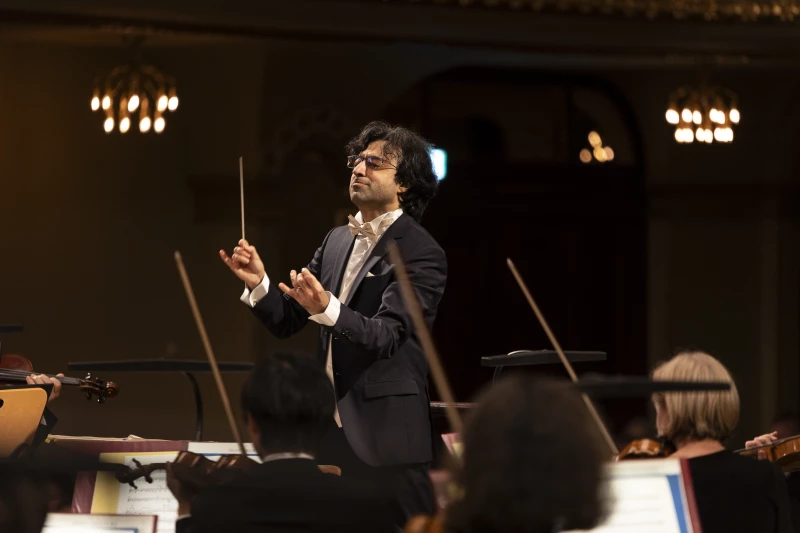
{"points": [[373, 162]]}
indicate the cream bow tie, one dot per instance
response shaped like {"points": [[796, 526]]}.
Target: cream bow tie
{"points": [[366, 228]]}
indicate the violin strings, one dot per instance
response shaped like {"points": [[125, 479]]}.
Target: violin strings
{"points": [[22, 374]]}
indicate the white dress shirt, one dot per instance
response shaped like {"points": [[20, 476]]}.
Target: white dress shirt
{"points": [[358, 256]]}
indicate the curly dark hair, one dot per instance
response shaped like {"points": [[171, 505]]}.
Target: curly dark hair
{"points": [[532, 462], [415, 171]]}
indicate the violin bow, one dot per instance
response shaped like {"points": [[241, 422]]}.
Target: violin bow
{"points": [[412, 304], [564, 360], [187, 286]]}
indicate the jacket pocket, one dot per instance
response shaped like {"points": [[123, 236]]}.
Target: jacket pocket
{"points": [[400, 387]]}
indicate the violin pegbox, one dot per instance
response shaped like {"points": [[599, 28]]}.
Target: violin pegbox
{"points": [[99, 387]]}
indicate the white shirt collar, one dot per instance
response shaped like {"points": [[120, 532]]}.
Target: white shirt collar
{"points": [[286, 455], [376, 222]]}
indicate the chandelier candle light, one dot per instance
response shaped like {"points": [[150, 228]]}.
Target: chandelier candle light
{"points": [[598, 152], [705, 115], [139, 90]]}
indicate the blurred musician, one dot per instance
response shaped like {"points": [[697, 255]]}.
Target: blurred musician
{"points": [[23, 500], [733, 492], [288, 401], [532, 462]]}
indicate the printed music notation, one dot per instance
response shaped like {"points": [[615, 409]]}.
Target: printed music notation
{"points": [[150, 498], [646, 496]]}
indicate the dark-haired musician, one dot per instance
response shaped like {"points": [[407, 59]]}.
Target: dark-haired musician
{"points": [[382, 425]]}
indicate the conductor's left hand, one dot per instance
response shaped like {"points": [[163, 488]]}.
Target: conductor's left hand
{"points": [[307, 291]]}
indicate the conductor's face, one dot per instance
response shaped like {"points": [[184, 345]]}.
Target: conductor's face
{"points": [[372, 182]]}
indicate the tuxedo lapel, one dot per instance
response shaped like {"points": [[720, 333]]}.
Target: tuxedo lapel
{"points": [[394, 232], [342, 247]]}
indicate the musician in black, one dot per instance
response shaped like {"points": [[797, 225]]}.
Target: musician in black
{"points": [[381, 429], [532, 462], [288, 401], [733, 492]]}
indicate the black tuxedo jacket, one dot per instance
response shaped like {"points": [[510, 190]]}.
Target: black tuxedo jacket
{"points": [[380, 372], [288, 495]]}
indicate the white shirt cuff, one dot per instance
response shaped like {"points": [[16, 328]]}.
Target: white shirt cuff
{"points": [[181, 517], [251, 298], [331, 313]]}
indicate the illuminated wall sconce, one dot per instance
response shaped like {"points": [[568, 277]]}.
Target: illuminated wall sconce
{"points": [[704, 114], [598, 152], [136, 92]]}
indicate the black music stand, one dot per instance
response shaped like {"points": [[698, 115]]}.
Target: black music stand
{"points": [[182, 366], [617, 387], [537, 357], [641, 386]]}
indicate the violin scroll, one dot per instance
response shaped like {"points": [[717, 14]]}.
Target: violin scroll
{"points": [[98, 387]]}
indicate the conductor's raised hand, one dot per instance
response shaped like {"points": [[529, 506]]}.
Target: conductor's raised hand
{"points": [[245, 263], [307, 291]]}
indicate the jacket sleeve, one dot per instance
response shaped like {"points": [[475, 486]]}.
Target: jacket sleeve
{"points": [[383, 334], [184, 525], [283, 316]]}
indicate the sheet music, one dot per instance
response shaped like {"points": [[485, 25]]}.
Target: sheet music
{"points": [[646, 495], [213, 450], [150, 498], [87, 523]]}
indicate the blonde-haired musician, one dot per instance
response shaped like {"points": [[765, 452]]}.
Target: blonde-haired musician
{"points": [[733, 492]]}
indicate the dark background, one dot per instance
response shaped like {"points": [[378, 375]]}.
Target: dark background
{"points": [[668, 245]]}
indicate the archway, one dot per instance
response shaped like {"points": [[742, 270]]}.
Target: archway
{"points": [[516, 187]]}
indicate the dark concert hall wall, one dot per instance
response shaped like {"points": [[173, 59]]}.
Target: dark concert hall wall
{"points": [[90, 221]]}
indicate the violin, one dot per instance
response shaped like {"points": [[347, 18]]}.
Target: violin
{"points": [[783, 452], [14, 368], [646, 449], [197, 473]]}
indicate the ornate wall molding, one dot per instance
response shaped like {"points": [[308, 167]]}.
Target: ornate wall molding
{"points": [[708, 10]]}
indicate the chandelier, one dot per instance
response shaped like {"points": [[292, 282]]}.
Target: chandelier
{"points": [[598, 152], [705, 114], [134, 91]]}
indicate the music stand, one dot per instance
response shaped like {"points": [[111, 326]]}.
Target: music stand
{"points": [[21, 410], [537, 357], [641, 386], [180, 366]]}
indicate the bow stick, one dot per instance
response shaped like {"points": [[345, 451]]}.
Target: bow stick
{"points": [[187, 286], [412, 304], [564, 360]]}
